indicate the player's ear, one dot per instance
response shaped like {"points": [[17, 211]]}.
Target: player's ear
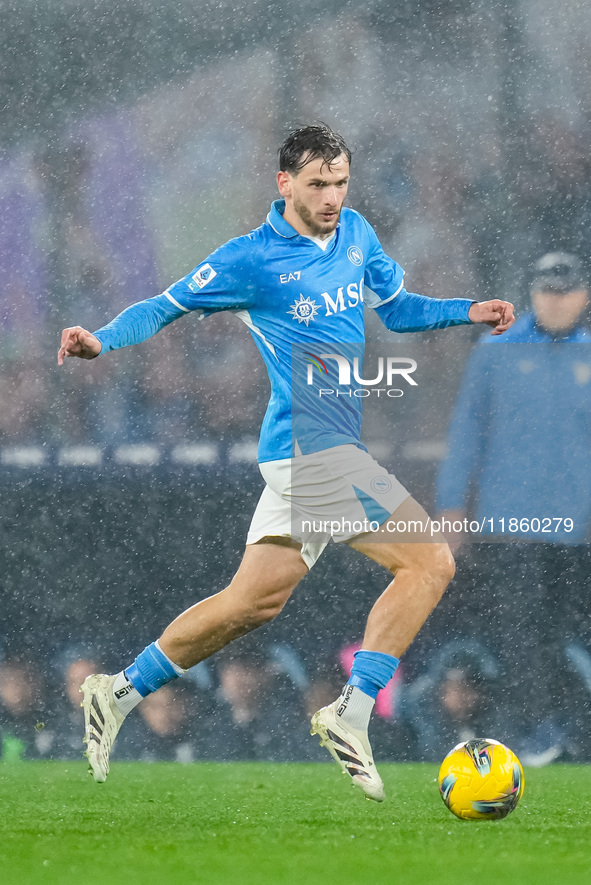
{"points": [[284, 183]]}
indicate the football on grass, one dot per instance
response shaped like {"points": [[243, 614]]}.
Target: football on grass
{"points": [[481, 780]]}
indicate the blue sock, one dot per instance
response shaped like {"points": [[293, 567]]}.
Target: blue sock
{"points": [[151, 669], [372, 671]]}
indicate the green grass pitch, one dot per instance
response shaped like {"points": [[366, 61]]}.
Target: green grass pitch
{"points": [[263, 824]]}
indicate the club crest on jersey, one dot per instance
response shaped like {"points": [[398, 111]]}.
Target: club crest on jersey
{"points": [[304, 310], [355, 255], [203, 276]]}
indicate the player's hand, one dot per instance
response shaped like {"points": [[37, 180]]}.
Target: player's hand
{"points": [[76, 341], [498, 314]]}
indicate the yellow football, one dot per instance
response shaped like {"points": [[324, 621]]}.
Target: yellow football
{"points": [[481, 780]]}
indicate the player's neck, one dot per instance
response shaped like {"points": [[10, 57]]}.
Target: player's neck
{"points": [[322, 242]]}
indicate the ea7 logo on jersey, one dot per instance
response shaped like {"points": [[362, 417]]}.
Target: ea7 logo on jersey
{"points": [[288, 277], [203, 276]]}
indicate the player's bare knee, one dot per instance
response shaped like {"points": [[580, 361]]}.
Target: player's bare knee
{"points": [[446, 563], [433, 565], [442, 568]]}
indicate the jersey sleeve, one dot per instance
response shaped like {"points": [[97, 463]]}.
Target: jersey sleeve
{"points": [[224, 281], [383, 276], [137, 323], [399, 310], [409, 312]]}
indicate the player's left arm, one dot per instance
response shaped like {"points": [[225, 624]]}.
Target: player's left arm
{"points": [[409, 312], [403, 311]]}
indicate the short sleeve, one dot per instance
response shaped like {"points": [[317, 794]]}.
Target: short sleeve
{"points": [[383, 276], [223, 281]]}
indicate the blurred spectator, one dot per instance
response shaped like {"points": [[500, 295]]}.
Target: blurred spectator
{"points": [[518, 443], [174, 725], [519, 465], [435, 244], [456, 700], [100, 253], [25, 733], [261, 706]]}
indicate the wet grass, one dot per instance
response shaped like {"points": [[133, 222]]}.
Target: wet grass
{"points": [[257, 823]]}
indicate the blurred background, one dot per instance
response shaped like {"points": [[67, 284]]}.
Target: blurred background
{"points": [[136, 137]]}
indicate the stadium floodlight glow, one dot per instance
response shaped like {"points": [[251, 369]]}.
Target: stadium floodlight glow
{"points": [[138, 455], [243, 451], [195, 453], [24, 456], [80, 456]]}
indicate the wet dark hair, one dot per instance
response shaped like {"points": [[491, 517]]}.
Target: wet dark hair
{"points": [[309, 143]]}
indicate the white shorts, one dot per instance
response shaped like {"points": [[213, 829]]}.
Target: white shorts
{"points": [[337, 493]]}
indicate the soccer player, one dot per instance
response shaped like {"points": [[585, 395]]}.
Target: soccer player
{"points": [[299, 282]]}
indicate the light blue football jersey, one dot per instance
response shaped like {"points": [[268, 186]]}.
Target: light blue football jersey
{"points": [[298, 302]]}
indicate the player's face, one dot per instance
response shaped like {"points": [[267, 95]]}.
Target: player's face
{"points": [[314, 197], [559, 312]]}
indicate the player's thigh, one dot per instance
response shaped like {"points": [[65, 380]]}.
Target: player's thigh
{"points": [[407, 540], [269, 570]]}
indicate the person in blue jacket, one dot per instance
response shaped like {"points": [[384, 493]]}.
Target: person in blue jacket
{"points": [[518, 472], [299, 283]]}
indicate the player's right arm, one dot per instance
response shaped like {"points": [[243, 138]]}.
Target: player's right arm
{"points": [[221, 282], [133, 325]]}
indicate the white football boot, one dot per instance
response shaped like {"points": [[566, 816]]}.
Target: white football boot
{"points": [[102, 721], [350, 749]]}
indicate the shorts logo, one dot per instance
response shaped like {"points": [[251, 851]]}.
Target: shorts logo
{"points": [[204, 275], [304, 310], [355, 255], [380, 484]]}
